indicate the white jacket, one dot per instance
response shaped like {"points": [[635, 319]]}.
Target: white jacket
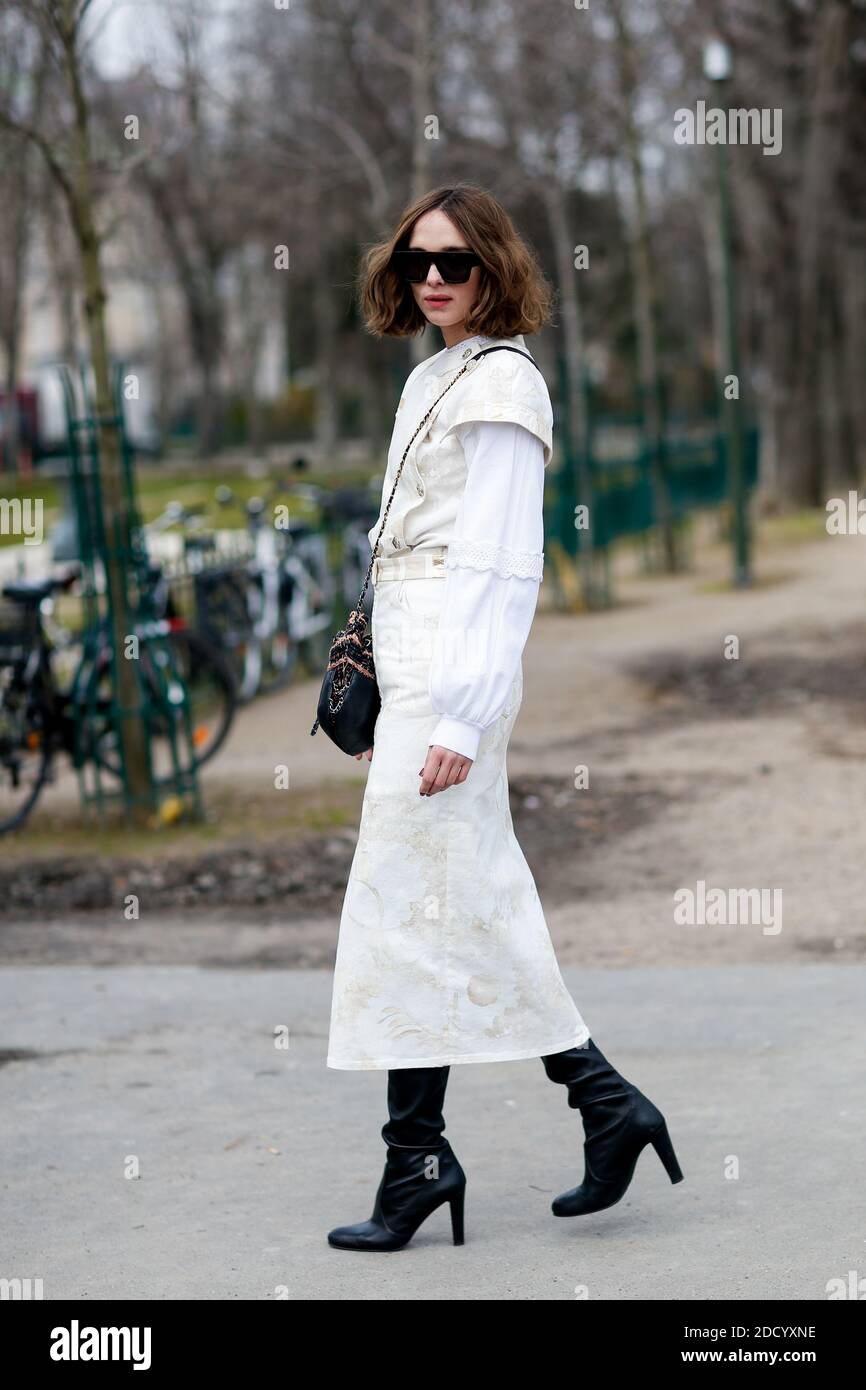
{"points": [[473, 482]]}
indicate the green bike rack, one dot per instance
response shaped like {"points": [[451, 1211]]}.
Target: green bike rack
{"points": [[162, 695]]}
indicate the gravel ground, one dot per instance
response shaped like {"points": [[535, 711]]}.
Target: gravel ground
{"points": [[163, 1147], [739, 773]]}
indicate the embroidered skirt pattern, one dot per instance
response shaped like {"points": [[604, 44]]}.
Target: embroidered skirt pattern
{"points": [[444, 954]]}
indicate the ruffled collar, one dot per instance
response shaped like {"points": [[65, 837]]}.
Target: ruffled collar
{"points": [[468, 342], [448, 357]]}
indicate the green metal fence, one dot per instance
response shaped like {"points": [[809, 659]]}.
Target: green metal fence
{"points": [[622, 498], [163, 699]]}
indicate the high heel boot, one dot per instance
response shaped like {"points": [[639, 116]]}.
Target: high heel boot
{"points": [[421, 1169], [618, 1121]]}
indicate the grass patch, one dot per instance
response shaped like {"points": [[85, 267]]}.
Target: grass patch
{"points": [[769, 580], [230, 816], [193, 484], [793, 528]]}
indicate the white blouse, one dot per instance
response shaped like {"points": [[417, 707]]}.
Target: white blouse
{"points": [[493, 572]]}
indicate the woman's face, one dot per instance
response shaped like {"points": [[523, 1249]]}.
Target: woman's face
{"points": [[446, 306]]}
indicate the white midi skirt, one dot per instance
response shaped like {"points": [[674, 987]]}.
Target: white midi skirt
{"points": [[443, 955]]}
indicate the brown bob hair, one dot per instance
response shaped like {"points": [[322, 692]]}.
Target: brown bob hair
{"points": [[513, 294]]}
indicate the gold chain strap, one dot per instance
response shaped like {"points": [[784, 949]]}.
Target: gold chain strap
{"points": [[463, 369], [357, 616]]}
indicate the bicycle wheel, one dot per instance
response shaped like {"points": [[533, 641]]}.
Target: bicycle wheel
{"points": [[25, 746], [223, 617], [279, 649], [312, 614], [279, 660], [210, 689]]}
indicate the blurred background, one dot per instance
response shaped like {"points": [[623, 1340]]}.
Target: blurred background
{"points": [[194, 421], [194, 426]]}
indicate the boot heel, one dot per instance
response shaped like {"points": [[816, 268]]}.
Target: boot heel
{"points": [[661, 1142], [457, 1215]]}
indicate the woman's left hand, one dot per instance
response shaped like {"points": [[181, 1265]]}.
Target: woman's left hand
{"points": [[444, 768]]}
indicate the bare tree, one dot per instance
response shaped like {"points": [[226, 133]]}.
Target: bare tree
{"points": [[644, 276], [18, 198], [69, 156], [815, 233]]}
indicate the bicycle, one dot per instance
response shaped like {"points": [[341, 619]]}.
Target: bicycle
{"points": [[220, 607], [353, 511], [39, 719], [289, 593]]}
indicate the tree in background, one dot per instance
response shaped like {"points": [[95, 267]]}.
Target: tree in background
{"points": [[67, 147]]}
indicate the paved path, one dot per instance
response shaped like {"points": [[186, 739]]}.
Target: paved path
{"points": [[248, 1155]]}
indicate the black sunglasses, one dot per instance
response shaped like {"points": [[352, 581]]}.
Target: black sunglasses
{"points": [[455, 267]]}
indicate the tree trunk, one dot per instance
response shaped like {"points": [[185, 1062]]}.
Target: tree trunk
{"points": [[114, 509], [852, 310], [196, 271], [19, 191], [645, 291], [422, 101], [324, 310], [816, 202], [562, 237], [836, 363], [63, 278]]}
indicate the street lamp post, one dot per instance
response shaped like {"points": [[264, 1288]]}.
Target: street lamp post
{"points": [[718, 65]]}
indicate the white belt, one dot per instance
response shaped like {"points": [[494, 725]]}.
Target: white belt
{"points": [[412, 564]]}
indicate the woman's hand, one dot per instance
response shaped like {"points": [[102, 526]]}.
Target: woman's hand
{"points": [[443, 768], [368, 755]]}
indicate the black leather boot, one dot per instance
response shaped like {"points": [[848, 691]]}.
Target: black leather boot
{"points": [[618, 1121], [421, 1169]]}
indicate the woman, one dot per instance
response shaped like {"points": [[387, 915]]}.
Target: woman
{"points": [[444, 955]]}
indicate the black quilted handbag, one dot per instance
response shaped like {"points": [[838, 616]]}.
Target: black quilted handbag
{"points": [[349, 701]]}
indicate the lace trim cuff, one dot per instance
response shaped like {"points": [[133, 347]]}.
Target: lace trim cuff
{"points": [[480, 555]]}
